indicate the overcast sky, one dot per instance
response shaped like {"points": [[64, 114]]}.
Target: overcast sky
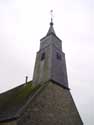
{"points": [[24, 22]]}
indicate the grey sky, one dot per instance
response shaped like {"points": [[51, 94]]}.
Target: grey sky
{"points": [[23, 23]]}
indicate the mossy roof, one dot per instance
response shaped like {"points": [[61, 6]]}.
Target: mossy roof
{"points": [[13, 100]]}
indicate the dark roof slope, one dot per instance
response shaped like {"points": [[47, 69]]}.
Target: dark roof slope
{"points": [[51, 30], [13, 100]]}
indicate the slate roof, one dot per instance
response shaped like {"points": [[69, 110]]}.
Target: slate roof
{"points": [[13, 100], [51, 29]]}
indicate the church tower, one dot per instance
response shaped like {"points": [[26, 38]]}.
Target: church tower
{"points": [[50, 61]]}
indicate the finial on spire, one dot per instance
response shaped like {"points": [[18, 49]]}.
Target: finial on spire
{"points": [[51, 29], [51, 23]]}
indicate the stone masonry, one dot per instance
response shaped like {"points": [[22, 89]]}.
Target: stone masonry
{"points": [[52, 106]]}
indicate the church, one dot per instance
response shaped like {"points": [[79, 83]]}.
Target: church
{"points": [[46, 100]]}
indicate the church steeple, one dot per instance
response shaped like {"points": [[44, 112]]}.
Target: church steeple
{"points": [[50, 61]]}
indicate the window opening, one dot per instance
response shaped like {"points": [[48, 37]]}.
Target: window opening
{"points": [[58, 55], [42, 56]]}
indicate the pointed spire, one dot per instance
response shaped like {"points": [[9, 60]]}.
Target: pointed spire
{"points": [[51, 29]]}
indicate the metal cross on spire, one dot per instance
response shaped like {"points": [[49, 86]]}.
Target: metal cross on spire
{"points": [[51, 16]]}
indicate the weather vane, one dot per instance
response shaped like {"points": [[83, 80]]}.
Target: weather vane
{"points": [[51, 15]]}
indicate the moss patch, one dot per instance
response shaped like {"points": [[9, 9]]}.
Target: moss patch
{"points": [[16, 97]]}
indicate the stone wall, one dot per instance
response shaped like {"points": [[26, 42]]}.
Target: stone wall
{"points": [[52, 106]]}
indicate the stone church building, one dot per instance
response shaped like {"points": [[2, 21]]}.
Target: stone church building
{"points": [[46, 100]]}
